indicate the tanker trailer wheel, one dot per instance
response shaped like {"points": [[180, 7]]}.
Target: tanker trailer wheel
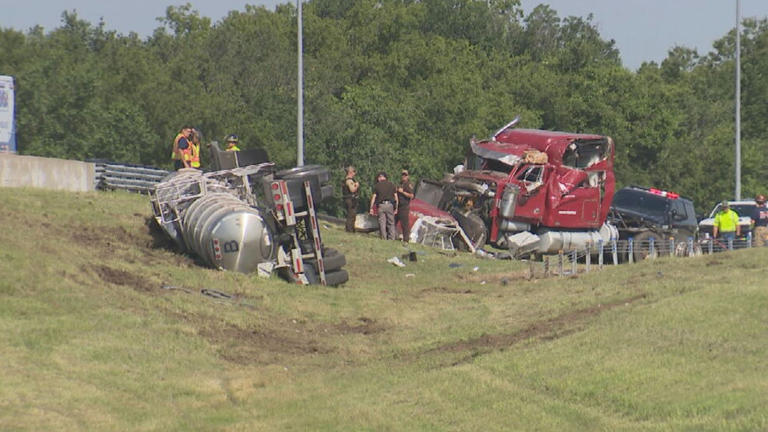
{"points": [[332, 260], [336, 277], [332, 278], [641, 246], [318, 177]]}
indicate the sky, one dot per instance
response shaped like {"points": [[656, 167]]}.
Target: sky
{"points": [[644, 30]]}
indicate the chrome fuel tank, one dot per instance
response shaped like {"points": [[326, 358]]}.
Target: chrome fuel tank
{"points": [[554, 241]]}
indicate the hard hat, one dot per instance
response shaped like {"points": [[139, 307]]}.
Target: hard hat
{"points": [[232, 138], [725, 204]]}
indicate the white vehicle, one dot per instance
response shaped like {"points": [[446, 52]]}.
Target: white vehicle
{"points": [[743, 208]]}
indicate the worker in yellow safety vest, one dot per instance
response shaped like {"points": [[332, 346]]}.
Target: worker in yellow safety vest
{"points": [[726, 223], [194, 149], [180, 154], [232, 141]]}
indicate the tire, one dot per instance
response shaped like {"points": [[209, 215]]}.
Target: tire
{"points": [[473, 227], [336, 278], [305, 171], [332, 260], [296, 190], [317, 175], [641, 245]]}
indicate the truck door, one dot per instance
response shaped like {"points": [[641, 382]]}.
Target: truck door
{"points": [[578, 206]]}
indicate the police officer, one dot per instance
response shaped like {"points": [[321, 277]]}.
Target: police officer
{"points": [[404, 197], [384, 199], [349, 192]]}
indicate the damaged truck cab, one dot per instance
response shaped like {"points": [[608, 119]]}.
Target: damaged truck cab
{"points": [[533, 190]]}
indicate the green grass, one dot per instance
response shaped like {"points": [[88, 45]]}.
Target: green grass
{"points": [[89, 339]]}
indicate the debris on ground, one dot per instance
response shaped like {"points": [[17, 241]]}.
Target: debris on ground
{"points": [[215, 294], [396, 261], [410, 256]]}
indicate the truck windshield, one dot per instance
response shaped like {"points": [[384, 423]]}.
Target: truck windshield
{"points": [[477, 163], [640, 202]]}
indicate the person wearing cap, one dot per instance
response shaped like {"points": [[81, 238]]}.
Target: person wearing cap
{"points": [[404, 197], [349, 192], [180, 153], [195, 136], [384, 200], [726, 223], [760, 219], [232, 141]]}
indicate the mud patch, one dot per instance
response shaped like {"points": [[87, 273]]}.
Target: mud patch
{"points": [[109, 237], [159, 239], [445, 290], [259, 346], [122, 278], [550, 329], [364, 325]]}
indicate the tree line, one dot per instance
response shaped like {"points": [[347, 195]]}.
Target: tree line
{"points": [[389, 84]]}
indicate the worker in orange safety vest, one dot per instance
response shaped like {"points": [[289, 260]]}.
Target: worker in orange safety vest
{"points": [[180, 154]]}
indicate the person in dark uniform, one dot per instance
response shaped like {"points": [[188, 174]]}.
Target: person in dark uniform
{"points": [[404, 197], [385, 199], [760, 218], [349, 192]]}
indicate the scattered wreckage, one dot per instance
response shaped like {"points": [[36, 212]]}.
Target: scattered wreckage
{"points": [[528, 191], [248, 217]]}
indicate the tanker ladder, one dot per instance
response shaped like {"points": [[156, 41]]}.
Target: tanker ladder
{"points": [[285, 213]]}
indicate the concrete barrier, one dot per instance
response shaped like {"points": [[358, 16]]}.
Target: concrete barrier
{"points": [[45, 173]]}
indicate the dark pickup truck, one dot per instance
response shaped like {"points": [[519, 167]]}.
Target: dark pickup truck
{"points": [[653, 216]]}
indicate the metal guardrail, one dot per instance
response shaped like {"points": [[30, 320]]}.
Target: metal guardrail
{"points": [[616, 252], [134, 178]]}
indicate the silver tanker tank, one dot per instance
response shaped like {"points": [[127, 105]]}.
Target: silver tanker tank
{"points": [[226, 233]]}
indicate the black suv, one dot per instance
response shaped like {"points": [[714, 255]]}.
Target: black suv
{"points": [[644, 213]]}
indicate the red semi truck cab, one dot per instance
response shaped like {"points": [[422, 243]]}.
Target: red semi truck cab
{"points": [[557, 186]]}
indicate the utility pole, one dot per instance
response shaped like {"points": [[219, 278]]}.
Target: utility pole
{"points": [[738, 100], [300, 95]]}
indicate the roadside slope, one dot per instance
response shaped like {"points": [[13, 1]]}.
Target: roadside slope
{"points": [[90, 339]]}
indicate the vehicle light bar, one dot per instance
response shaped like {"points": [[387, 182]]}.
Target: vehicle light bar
{"points": [[670, 195]]}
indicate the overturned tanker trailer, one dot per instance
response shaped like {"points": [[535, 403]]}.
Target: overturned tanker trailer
{"points": [[251, 219], [528, 191]]}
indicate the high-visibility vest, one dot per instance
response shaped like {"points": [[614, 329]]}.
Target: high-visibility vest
{"points": [[233, 148], [194, 155], [727, 221], [175, 149]]}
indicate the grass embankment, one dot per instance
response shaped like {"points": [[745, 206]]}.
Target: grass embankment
{"points": [[89, 339]]}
